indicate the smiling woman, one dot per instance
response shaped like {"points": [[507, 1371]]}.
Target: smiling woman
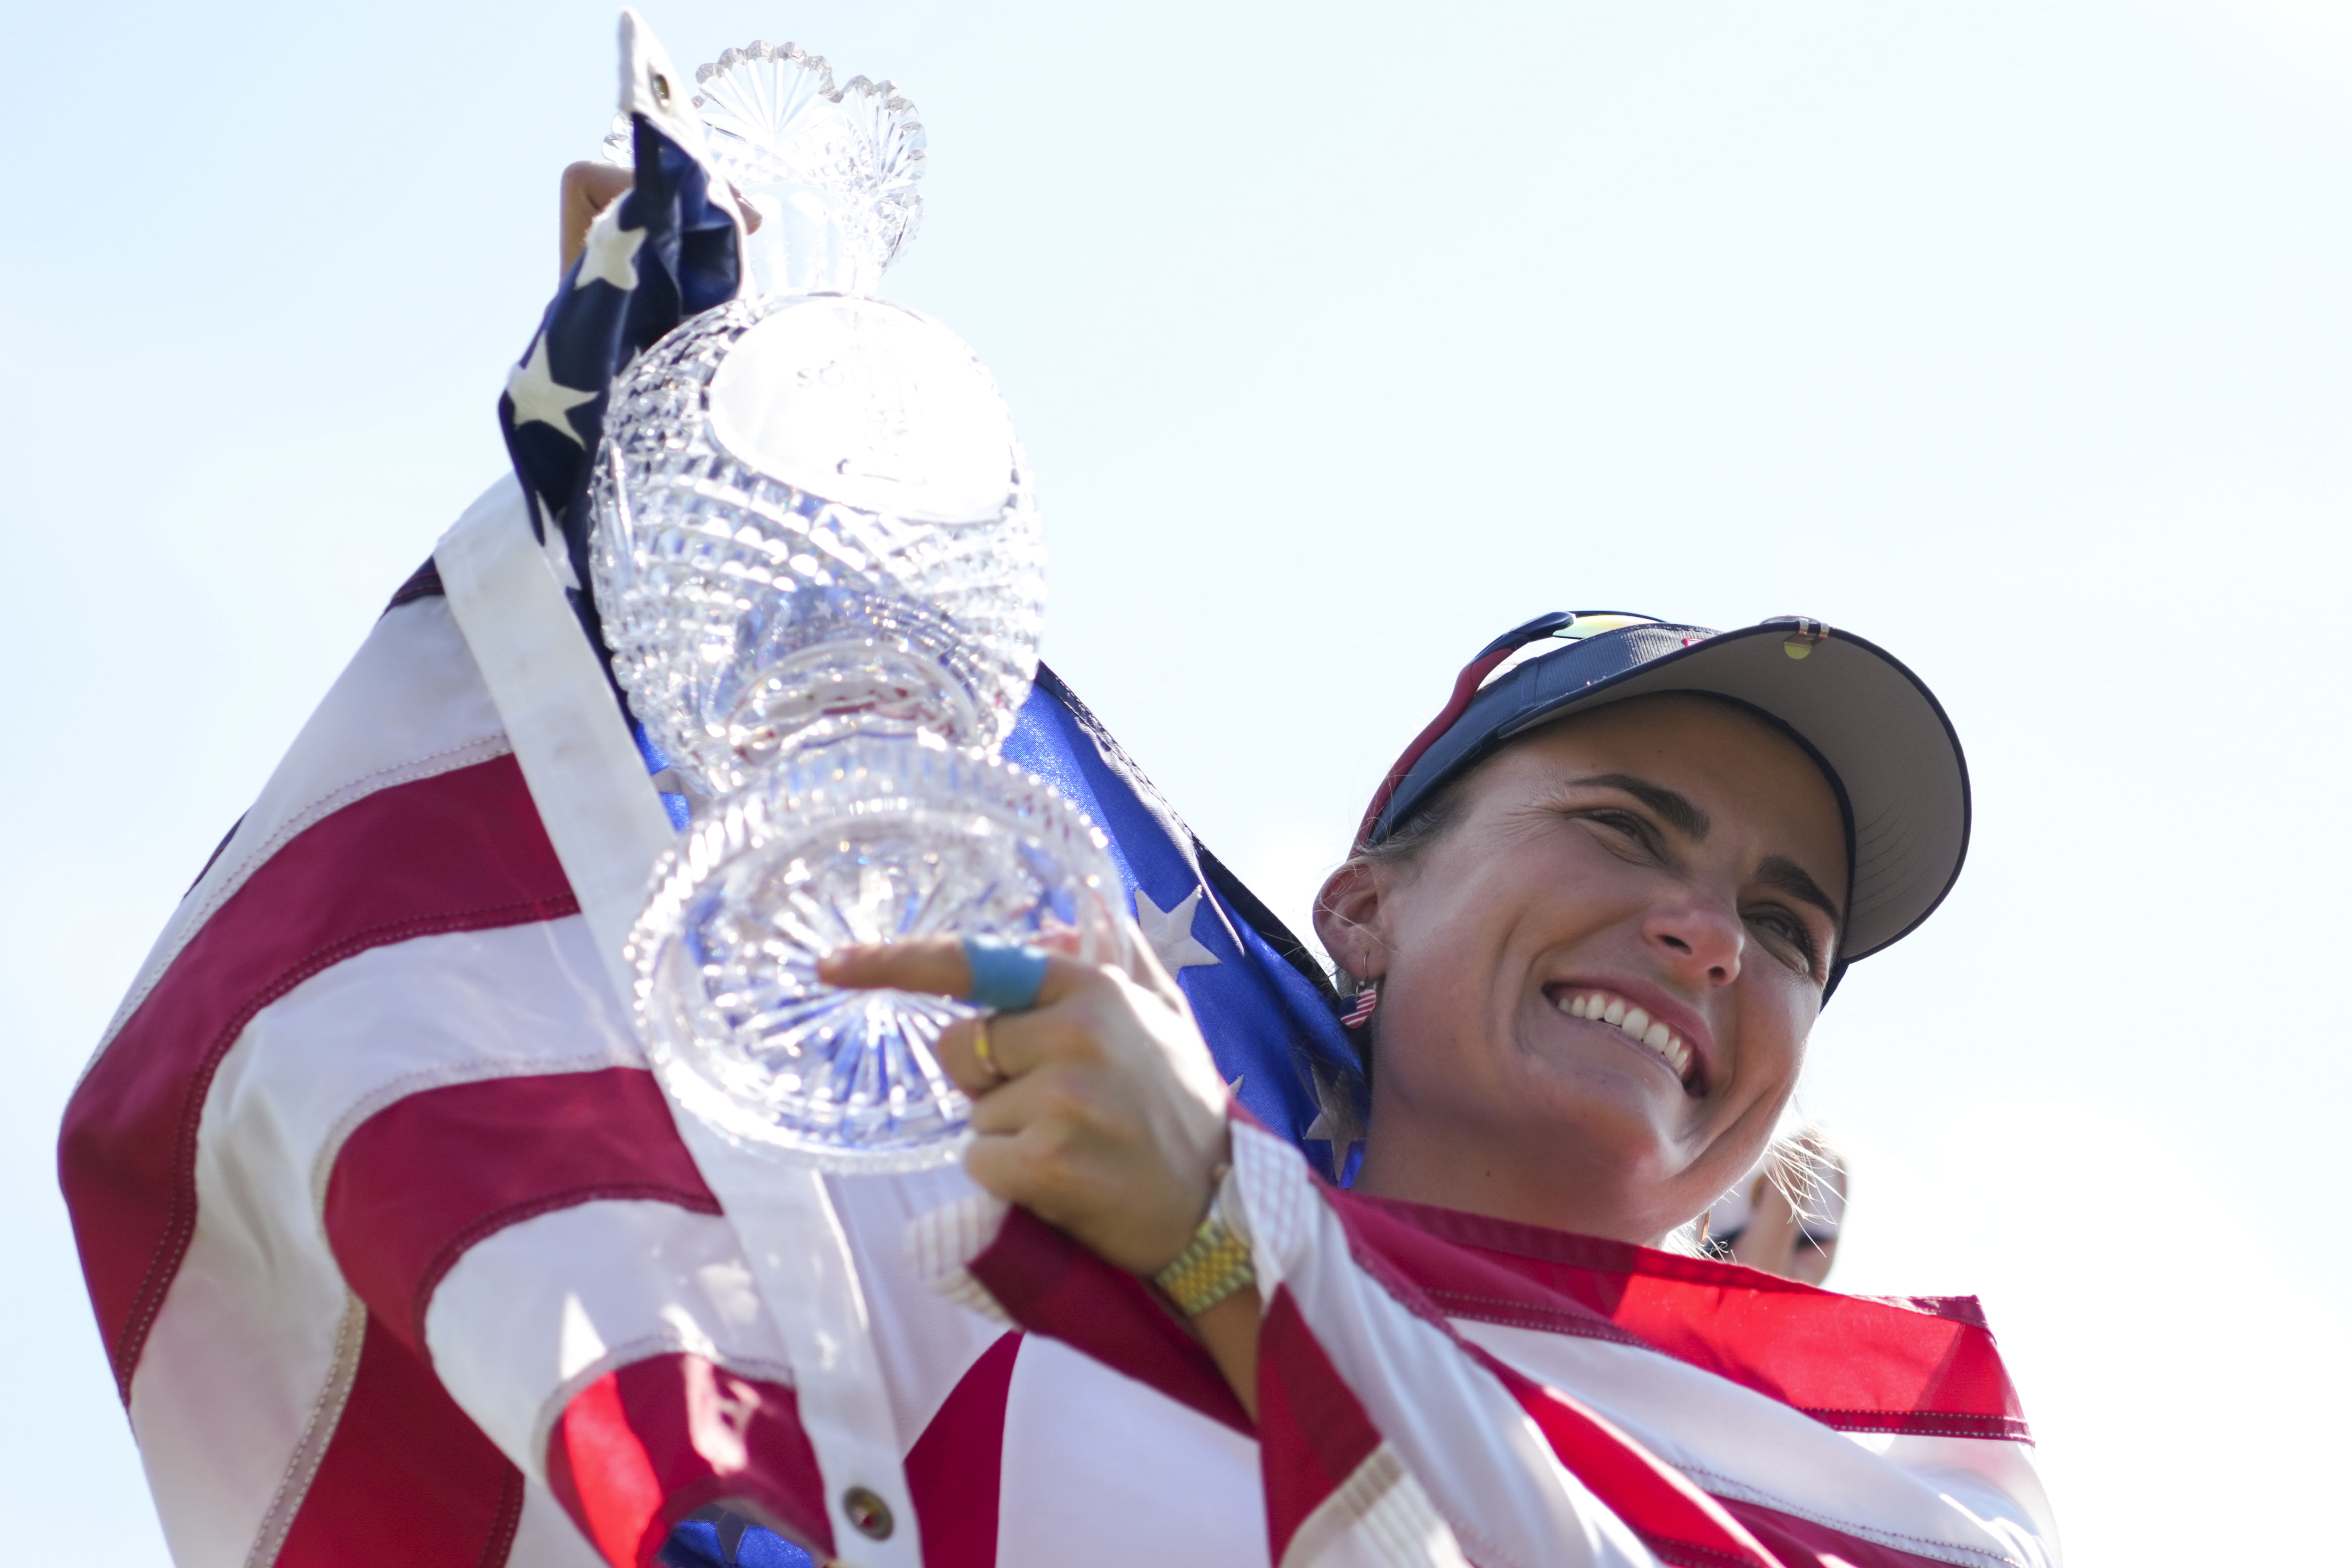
{"points": [[1591, 917], [1599, 971]]}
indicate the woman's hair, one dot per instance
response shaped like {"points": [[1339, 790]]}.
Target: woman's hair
{"points": [[1402, 846]]}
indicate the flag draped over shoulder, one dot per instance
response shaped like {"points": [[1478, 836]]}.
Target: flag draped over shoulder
{"points": [[399, 1257]]}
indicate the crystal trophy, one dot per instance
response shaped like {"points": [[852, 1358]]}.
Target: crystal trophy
{"points": [[822, 576]]}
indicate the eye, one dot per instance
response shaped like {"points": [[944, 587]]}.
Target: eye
{"points": [[1630, 826], [1792, 931]]}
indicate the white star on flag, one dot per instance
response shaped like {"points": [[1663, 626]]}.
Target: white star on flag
{"points": [[612, 253], [540, 398], [1169, 932]]}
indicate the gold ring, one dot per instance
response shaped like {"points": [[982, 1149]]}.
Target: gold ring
{"points": [[980, 1048]]}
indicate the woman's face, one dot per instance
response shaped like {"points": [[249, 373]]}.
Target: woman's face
{"points": [[1597, 982]]}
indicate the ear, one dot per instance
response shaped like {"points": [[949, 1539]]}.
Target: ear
{"points": [[1346, 917]]}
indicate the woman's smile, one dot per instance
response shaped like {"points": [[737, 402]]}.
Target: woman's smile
{"points": [[1669, 1034]]}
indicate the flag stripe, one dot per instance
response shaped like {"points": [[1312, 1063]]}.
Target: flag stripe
{"points": [[1850, 1363], [1051, 1285], [408, 1481], [1670, 1514], [1313, 1433], [409, 705], [400, 1211], [956, 1468], [1673, 1518], [643, 1446], [1803, 1542], [459, 851]]}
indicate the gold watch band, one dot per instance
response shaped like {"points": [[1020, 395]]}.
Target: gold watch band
{"points": [[1214, 1266]]}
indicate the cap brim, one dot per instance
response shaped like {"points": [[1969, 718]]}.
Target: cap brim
{"points": [[1875, 725]]}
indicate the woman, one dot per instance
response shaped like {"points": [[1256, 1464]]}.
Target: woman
{"points": [[1595, 911], [401, 1256]]}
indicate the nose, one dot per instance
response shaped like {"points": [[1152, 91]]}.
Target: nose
{"points": [[1701, 945]]}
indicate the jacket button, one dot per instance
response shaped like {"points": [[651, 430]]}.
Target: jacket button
{"points": [[868, 1512]]}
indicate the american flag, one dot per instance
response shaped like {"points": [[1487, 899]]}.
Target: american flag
{"points": [[401, 1256]]}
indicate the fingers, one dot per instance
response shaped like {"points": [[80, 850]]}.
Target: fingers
{"points": [[958, 1051], [933, 964], [1058, 1144], [1037, 1139], [1018, 1044], [588, 189]]}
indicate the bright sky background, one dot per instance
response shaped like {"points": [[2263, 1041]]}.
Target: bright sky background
{"points": [[2016, 336]]}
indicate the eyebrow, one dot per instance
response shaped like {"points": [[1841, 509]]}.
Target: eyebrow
{"points": [[1679, 813], [1780, 872], [1686, 819]]}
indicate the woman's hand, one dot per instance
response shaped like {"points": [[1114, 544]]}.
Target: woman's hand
{"points": [[588, 189], [1104, 1114]]}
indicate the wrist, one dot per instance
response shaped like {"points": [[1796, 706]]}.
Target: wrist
{"points": [[1213, 1265]]}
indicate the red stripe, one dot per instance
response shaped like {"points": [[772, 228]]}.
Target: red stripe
{"points": [[408, 1481], [640, 1448], [1050, 1285], [1673, 1518], [1803, 1543], [1313, 1433], [412, 1189], [1924, 1367], [956, 1470], [460, 851]]}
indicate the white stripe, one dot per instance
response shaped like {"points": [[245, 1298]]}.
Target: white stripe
{"points": [[1379, 1517], [241, 1378], [1740, 1444], [1481, 1461], [540, 1309], [545, 1536], [586, 776], [409, 706], [1103, 1472], [942, 1242], [923, 1342]]}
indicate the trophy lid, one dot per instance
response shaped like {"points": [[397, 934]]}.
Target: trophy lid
{"points": [[832, 172]]}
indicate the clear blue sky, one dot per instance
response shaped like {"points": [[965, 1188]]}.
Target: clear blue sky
{"points": [[2015, 336]]}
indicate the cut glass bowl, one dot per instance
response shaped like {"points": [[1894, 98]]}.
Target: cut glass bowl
{"points": [[857, 842]]}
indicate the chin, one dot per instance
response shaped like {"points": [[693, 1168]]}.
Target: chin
{"points": [[1631, 1123]]}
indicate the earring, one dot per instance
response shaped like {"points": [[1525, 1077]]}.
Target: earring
{"points": [[1367, 999]]}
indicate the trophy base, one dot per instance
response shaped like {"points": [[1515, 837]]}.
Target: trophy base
{"points": [[864, 840]]}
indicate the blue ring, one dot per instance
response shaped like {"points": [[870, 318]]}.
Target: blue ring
{"points": [[1005, 975]]}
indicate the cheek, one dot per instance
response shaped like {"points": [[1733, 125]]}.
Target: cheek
{"points": [[1775, 1022]]}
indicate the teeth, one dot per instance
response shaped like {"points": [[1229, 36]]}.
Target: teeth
{"points": [[1636, 1022]]}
